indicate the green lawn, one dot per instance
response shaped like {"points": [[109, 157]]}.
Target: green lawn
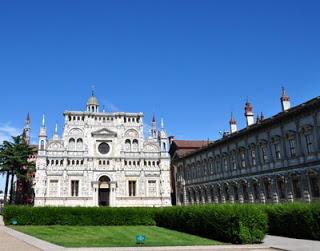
{"points": [[112, 236]]}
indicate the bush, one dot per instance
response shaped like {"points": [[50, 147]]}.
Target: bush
{"points": [[227, 223], [297, 220], [26, 215]]}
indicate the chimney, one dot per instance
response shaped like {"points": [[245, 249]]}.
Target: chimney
{"points": [[249, 114], [285, 100], [233, 124]]}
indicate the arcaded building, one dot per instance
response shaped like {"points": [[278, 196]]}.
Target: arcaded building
{"points": [[274, 159], [103, 159]]}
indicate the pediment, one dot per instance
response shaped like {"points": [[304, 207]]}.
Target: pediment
{"points": [[104, 132]]}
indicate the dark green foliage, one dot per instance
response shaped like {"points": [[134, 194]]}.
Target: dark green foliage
{"points": [[93, 216], [297, 220], [227, 223]]}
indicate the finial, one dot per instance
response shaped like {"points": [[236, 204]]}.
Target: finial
{"points": [[93, 90], [162, 124], [103, 108], [43, 121], [153, 119], [28, 117], [261, 116], [56, 129], [232, 119]]}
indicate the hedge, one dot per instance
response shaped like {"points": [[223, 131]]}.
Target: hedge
{"points": [[227, 223], [84, 216], [296, 220]]}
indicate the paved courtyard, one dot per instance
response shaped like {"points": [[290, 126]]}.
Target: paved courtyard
{"points": [[16, 241]]}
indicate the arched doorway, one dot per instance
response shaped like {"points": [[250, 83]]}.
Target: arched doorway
{"points": [[104, 191]]}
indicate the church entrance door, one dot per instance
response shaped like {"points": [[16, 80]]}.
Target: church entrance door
{"points": [[104, 191]]}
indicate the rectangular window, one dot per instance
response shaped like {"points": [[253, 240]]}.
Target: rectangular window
{"points": [[243, 159], [233, 161], [225, 164], [309, 143], [277, 151], [292, 146], [132, 187], [53, 188], [152, 188], [75, 188], [253, 157], [264, 154]]}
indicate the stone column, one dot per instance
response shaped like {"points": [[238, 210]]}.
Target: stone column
{"points": [[262, 192], [215, 195], [273, 183], [288, 186], [305, 187], [231, 193], [240, 192], [250, 191], [203, 197], [208, 194], [197, 193]]}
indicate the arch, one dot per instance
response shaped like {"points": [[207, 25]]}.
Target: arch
{"points": [[42, 145], [79, 144], [104, 190], [135, 145], [127, 144], [71, 145]]}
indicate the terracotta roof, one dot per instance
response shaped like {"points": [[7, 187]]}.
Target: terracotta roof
{"points": [[191, 143]]}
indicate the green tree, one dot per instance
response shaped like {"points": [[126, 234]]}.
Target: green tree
{"points": [[14, 162]]}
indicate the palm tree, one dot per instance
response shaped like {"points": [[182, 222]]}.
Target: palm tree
{"points": [[14, 162]]}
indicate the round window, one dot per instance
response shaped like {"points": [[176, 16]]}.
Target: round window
{"points": [[104, 148]]}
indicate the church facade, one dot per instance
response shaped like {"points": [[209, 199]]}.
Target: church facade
{"points": [[103, 159]]}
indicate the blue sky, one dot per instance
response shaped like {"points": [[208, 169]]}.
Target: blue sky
{"points": [[190, 62]]}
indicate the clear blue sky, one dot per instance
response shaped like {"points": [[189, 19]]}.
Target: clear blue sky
{"points": [[190, 62]]}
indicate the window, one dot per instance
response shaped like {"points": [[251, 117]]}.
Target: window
{"points": [[225, 164], [243, 158], [104, 148], [132, 188], [253, 157], [71, 144], [292, 147], [74, 188], [309, 143], [264, 154], [42, 145], [53, 188], [135, 145], [233, 161], [127, 145], [79, 144], [152, 188], [277, 151]]}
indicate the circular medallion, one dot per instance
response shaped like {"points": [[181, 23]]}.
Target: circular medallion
{"points": [[103, 148]]}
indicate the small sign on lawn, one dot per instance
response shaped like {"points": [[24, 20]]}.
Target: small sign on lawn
{"points": [[13, 222], [140, 239]]}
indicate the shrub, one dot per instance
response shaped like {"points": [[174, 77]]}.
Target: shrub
{"points": [[227, 223], [26, 215], [297, 220]]}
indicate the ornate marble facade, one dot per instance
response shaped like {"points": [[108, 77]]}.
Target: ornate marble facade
{"points": [[271, 160], [103, 159]]}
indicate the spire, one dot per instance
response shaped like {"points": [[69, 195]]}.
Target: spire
{"points": [[261, 116], [43, 121], [285, 100], [249, 113], [233, 124], [154, 128], [26, 130], [232, 119], [56, 135], [162, 124]]}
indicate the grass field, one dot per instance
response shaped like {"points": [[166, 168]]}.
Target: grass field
{"points": [[112, 236]]}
